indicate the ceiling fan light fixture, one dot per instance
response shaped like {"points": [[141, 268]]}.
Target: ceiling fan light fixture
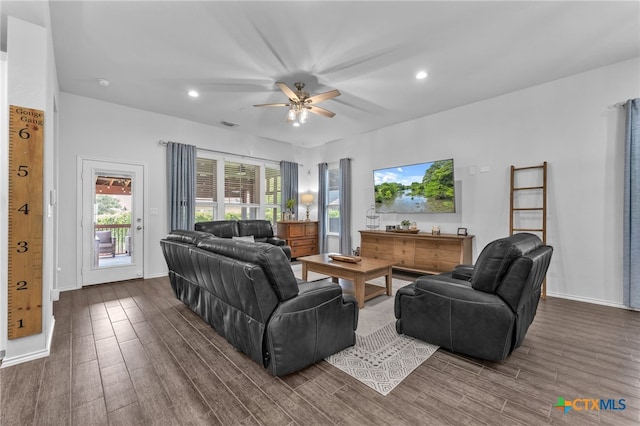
{"points": [[300, 103], [304, 114]]}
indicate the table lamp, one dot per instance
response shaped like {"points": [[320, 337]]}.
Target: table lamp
{"points": [[307, 199]]}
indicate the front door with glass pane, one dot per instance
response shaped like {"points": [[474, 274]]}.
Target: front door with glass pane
{"points": [[112, 225]]}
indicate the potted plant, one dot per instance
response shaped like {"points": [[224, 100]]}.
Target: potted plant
{"points": [[405, 224], [289, 215]]}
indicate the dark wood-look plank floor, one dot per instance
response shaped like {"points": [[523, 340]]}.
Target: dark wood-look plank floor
{"points": [[130, 353]]}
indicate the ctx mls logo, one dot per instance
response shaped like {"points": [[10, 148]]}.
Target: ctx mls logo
{"points": [[590, 404]]}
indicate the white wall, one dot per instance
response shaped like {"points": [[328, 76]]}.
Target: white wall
{"points": [[567, 123], [99, 130], [32, 83]]}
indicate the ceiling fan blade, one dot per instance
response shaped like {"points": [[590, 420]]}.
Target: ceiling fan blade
{"points": [[278, 105], [322, 96], [287, 91], [320, 111]]}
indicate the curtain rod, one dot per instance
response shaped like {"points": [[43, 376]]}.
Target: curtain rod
{"points": [[161, 142]]}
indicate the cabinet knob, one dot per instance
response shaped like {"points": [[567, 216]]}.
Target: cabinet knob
{"points": [[404, 251], [436, 245]]}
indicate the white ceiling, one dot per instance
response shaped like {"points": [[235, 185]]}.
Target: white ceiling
{"points": [[234, 52]]}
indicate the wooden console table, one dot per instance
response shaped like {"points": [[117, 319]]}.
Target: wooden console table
{"points": [[301, 236], [421, 252]]}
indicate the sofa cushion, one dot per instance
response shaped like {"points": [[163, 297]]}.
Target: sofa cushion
{"points": [[495, 259], [270, 258], [219, 228], [248, 238], [260, 229]]}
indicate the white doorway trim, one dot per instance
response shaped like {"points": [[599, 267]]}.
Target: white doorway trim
{"points": [[81, 211]]}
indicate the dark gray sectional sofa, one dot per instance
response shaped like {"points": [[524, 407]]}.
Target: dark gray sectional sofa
{"points": [[258, 229], [247, 292]]}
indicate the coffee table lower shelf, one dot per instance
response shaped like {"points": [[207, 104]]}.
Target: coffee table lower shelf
{"points": [[372, 290]]}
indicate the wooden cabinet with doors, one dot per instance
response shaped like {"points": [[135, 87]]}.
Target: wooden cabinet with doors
{"points": [[301, 236]]}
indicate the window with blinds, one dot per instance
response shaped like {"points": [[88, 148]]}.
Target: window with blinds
{"points": [[241, 183], [272, 193], [245, 193], [206, 189], [241, 190], [333, 199]]}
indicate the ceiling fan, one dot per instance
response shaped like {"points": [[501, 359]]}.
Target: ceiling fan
{"points": [[300, 103]]}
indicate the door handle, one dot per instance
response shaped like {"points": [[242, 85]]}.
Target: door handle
{"points": [[138, 227]]}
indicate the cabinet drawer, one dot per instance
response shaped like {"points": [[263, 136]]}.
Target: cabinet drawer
{"points": [[297, 230], [404, 251], [311, 229], [377, 239], [438, 245], [303, 242], [404, 242], [378, 248], [406, 261], [303, 251], [425, 255], [376, 254]]}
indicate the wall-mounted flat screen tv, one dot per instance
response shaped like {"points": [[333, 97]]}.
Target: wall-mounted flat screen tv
{"points": [[415, 188]]}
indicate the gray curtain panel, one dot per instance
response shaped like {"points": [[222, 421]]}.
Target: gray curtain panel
{"points": [[181, 185], [345, 206], [322, 207], [289, 175], [631, 250]]}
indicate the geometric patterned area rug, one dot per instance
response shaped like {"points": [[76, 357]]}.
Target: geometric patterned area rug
{"points": [[381, 358]]}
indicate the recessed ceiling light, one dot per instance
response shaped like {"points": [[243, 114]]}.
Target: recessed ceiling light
{"points": [[296, 124], [193, 93], [421, 75], [104, 82]]}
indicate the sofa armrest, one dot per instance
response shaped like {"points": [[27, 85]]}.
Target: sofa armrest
{"points": [[287, 251], [310, 295], [462, 272], [276, 241], [447, 286], [318, 322]]}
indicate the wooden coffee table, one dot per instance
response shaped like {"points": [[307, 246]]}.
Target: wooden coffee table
{"points": [[358, 273]]}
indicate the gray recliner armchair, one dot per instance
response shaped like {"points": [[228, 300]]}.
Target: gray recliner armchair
{"points": [[482, 310]]}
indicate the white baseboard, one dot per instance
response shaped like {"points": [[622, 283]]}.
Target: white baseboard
{"points": [[8, 362], [55, 295], [160, 275], [589, 300]]}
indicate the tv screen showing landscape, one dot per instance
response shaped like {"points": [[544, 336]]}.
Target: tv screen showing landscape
{"points": [[415, 188]]}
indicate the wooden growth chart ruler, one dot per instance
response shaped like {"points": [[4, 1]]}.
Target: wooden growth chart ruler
{"points": [[26, 136]]}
